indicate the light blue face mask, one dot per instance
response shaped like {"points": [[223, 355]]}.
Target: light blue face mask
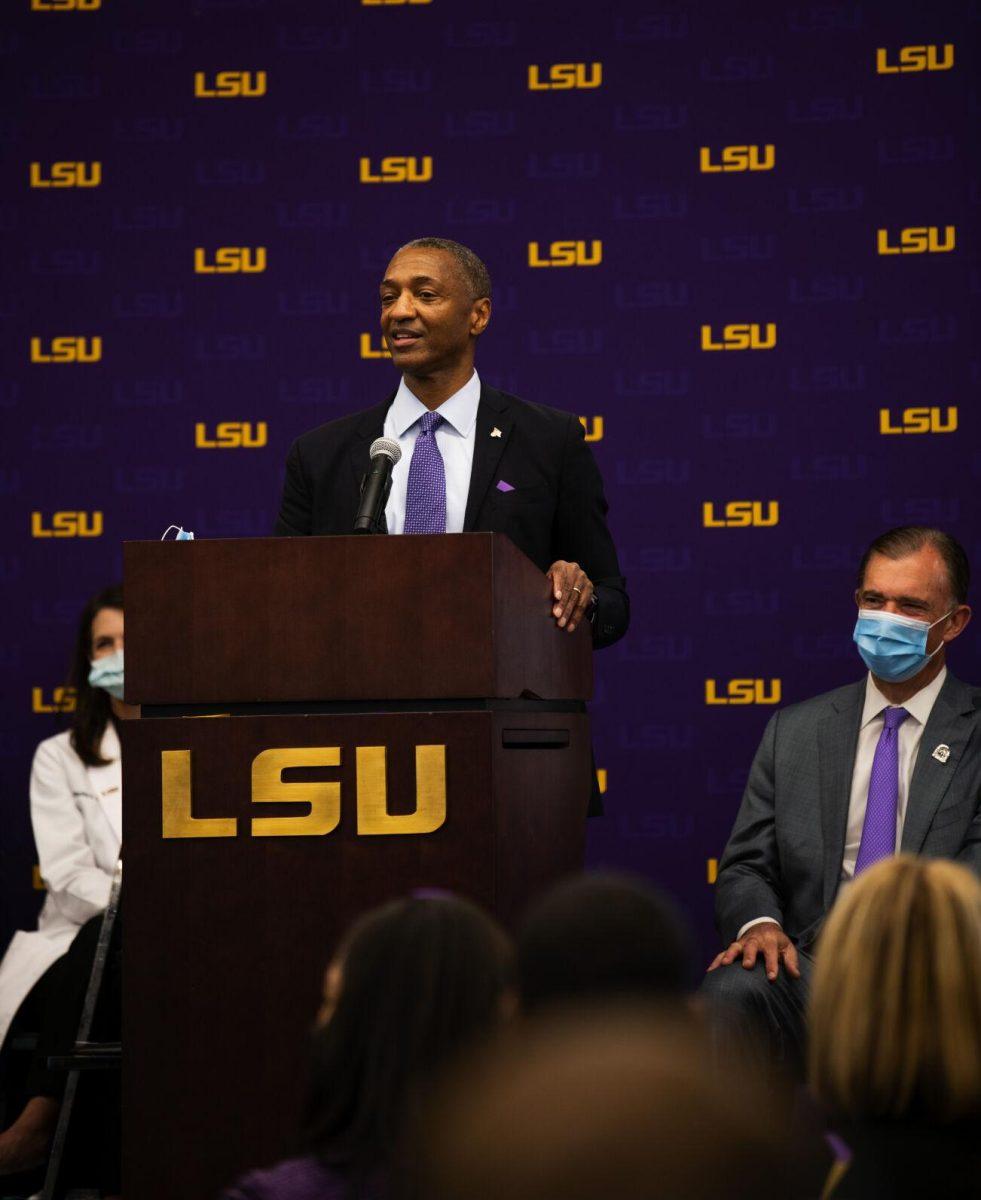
{"points": [[893, 647], [107, 673]]}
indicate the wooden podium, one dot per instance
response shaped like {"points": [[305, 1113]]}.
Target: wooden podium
{"points": [[327, 723]]}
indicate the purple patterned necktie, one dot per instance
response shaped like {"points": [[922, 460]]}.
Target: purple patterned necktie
{"points": [[425, 498], [879, 830]]}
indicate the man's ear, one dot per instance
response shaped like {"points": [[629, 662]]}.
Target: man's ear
{"points": [[480, 316], [959, 620]]}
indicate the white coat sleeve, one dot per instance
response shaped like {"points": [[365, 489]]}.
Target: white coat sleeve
{"points": [[77, 884]]}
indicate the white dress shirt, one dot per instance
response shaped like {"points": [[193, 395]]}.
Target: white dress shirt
{"points": [[919, 706], [455, 438]]}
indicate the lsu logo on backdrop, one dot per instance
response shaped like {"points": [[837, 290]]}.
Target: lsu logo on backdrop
{"points": [[369, 351], [914, 58], [62, 700], [67, 525], [230, 85], [66, 175], [918, 239], [593, 428], [230, 260], [231, 435], [67, 350], [740, 337], [65, 5], [322, 798], [741, 514], [918, 420], [743, 691], [563, 77], [738, 158], [397, 169], [566, 254]]}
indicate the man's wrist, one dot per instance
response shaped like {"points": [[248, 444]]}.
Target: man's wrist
{"points": [[757, 921]]}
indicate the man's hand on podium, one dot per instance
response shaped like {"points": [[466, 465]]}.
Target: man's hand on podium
{"points": [[572, 592]]}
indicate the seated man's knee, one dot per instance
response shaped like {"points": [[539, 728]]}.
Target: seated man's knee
{"points": [[748, 1014], [737, 987]]}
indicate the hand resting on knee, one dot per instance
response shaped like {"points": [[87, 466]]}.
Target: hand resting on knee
{"points": [[768, 939]]}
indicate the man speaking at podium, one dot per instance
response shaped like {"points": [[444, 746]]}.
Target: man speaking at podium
{"points": [[473, 458]]}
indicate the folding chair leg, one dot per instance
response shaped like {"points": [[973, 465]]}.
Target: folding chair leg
{"points": [[53, 1189]]}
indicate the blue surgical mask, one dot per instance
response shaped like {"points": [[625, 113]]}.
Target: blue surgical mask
{"points": [[893, 647], [107, 673]]}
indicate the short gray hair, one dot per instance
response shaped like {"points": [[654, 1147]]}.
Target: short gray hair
{"points": [[474, 271]]}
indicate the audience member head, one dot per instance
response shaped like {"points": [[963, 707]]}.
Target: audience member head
{"points": [[895, 1007], [99, 632], [413, 983], [618, 1103], [601, 937]]}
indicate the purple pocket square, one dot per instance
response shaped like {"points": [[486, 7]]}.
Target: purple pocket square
{"points": [[504, 487]]}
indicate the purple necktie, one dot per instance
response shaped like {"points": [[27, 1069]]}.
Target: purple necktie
{"points": [[425, 498], [879, 830]]}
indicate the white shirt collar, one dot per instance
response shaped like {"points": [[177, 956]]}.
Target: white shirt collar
{"points": [[459, 411], [919, 705]]}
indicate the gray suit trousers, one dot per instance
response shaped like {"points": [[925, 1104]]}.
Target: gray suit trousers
{"points": [[752, 1018]]}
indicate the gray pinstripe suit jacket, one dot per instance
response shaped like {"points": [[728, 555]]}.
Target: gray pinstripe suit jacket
{"points": [[784, 854]]}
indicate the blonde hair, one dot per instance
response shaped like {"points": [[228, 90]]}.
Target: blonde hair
{"points": [[895, 1008]]}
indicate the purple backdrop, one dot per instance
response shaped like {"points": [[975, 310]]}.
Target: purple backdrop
{"points": [[753, 166]]}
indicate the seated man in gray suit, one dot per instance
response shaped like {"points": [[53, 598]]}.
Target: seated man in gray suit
{"points": [[891, 764]]}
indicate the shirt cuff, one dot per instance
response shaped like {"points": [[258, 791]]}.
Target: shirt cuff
{"points": [[756, 921]]}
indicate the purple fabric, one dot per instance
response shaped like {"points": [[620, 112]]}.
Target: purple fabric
{"points": [[425, 500], [295, 1179], [838, 1146], [431, 893], [504, 487], [879, 830]]}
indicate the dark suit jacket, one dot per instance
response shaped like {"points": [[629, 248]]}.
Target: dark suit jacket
{"points": [[557, 509], [910, 1159], [784, 855]]}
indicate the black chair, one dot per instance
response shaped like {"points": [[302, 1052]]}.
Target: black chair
{"points": [[86, 1056]]}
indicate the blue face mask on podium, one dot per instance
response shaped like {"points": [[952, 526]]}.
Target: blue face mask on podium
{"points": [[893, 647], [107, 673]]}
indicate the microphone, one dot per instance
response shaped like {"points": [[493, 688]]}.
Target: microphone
{"points": [[376, 485]]}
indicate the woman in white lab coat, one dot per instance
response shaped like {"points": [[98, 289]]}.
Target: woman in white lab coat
{"points": [[76, 812]]}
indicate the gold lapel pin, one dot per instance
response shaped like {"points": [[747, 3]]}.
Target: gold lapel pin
{"points": [[495, 432], [942, 752]]}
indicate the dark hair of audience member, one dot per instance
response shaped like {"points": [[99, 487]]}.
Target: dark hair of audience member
{"points": [[611, 1103], [600, 937], [421, 979], [92, 705]]}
